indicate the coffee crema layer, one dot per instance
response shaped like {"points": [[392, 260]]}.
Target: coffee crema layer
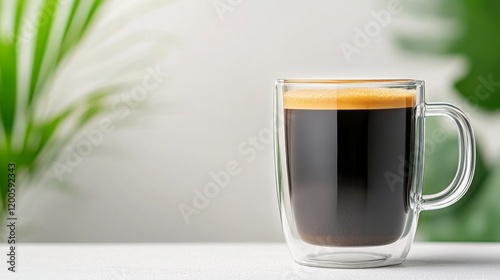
{"points": [[349, 99]]}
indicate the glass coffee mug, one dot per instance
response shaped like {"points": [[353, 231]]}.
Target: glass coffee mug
{"points": [[349, 158]]}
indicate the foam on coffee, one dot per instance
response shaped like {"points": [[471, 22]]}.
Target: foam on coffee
{"points": [[349, 98]]}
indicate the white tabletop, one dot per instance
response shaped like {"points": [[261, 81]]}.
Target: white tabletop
{"points": [[237, 261]]}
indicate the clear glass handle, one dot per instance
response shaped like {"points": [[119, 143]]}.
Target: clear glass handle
{"points": [[466, 157]]}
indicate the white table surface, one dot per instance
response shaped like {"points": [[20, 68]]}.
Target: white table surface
{"points": [[237, 261]]}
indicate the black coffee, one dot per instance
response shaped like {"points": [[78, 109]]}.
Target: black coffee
{"points": [[348, 166]]}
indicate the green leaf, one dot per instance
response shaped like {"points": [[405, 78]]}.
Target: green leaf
{"points": [[95, 105], [428, 45], [90, 16], [20, 8], [8, 87], [79, 28], [441, 162], [477, 42], [3, 141], [48, 129], [440, 168], [49, 10], [433, 8], [67, 42], [43, 137], [481, 88], [71, 19], [1, 15], [481, 220], [478, 223]]}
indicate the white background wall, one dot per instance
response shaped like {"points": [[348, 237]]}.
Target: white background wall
{"points": [[219, 94]]}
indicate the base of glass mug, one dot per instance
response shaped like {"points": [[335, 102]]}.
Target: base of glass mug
{"points": [[349, 260], [379, 255]]}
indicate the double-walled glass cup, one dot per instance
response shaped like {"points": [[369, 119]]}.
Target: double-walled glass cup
{"points": [[349, 158]]}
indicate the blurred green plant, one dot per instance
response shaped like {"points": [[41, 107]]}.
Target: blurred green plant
{"points": [[477, 39], [39, 144], [30, 141]]}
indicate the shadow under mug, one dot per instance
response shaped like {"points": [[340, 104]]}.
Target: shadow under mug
{"points": [[349, 158]]}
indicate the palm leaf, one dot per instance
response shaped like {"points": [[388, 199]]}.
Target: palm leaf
{"points": [[21, 5], [93, 9], [79, 28], [71, 20], [429, 45], [74, 31], [46, 131], [8, 88], [1, 9], [79, 113], [445, 9], [42, 40], [43, 136]]}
